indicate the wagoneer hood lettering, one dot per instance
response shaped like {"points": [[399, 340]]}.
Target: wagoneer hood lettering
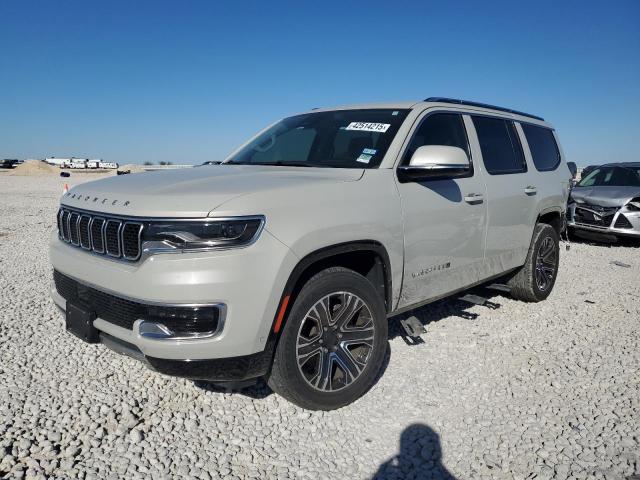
{"points": [[193, 192]]}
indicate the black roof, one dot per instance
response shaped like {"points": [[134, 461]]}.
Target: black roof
{"points": [[478, 104]]}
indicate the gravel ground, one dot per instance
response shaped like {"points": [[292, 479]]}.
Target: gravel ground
{"points": [[516, 391]]}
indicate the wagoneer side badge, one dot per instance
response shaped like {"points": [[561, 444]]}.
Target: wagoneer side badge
{"points": [[428, 270]]}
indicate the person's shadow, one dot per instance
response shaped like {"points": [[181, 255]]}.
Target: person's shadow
{"points": [[420, 457]]}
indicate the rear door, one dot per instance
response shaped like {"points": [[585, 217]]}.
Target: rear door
{"points": [[444, 219], [510, 194]]}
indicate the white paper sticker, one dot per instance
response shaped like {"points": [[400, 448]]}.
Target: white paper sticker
{"points": [[363, 158], [369, 151], [368, 127]]}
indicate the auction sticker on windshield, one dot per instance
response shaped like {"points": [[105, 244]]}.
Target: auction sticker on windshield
{"points": [[368, 127]]}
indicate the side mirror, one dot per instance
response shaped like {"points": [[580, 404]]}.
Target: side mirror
{"points": [[573, 168], [431, 162]]}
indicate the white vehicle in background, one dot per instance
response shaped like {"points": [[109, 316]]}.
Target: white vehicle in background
{"points": [[79, 163], [108, 165], [58, 162], [93, 163]]}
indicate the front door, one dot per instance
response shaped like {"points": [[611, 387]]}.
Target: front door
{"points": [[444, 219]]}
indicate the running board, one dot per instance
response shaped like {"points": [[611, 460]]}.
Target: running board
{"points": [[413, 329], [478, 300], [500, 287]]}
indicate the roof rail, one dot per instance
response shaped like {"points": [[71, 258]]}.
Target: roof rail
{"points": [[482, 105]]}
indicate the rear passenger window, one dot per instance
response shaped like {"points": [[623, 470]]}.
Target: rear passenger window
{"points": [[501, 150], [439, 129], [544, 150]]}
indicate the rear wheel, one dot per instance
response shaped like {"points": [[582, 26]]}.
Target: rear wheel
{"points": [[333, 343], [535, 280]]}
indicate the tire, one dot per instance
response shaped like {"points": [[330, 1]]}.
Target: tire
{"points": [[310, 341], [536, 278]]}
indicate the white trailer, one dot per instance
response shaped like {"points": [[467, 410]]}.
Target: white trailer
{"points": [[108, 165], [79, 163], [58, 162], [93, 163]]}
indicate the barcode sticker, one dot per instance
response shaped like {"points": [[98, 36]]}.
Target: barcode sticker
{"points": [[368, 127]]}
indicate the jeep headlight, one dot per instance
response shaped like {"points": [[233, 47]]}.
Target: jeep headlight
{"points": [[634, 204], [205, 234]]}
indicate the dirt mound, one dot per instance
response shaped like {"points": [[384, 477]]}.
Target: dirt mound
{"points": [[34, 167]]}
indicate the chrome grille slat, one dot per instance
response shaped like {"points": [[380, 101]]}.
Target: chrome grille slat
{"points": [[97, 234], [130, 234], [83, 231], [74, 234], [113, 237]]}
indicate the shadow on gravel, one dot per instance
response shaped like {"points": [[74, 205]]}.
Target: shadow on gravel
{"points": [[447, 307], [420, 457], [261, 390]]}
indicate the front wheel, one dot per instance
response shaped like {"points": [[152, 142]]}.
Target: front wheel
{"points": [[333, 343], [535, 280]]}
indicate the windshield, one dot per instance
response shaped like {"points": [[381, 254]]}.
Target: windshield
{"points": [[613, 176], [338, 138]]}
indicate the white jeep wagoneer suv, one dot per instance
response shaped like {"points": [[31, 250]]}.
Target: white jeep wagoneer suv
{"points": [[286, 260]]}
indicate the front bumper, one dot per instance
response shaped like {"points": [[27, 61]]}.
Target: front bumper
{"points": [[248, 281], [620, 221], [233, 369]]}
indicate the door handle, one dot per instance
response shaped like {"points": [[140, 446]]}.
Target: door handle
{"points": [[530, 190], [474, 198]]}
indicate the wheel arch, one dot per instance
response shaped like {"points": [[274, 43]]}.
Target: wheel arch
{"points": [[367, 257], [552, 217]]}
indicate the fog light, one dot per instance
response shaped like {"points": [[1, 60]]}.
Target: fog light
{"points": [[180, 322]]}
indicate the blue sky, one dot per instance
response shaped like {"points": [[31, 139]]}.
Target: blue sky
{"points": [[186, 82]]}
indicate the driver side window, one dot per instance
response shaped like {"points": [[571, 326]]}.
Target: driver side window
{"points": [[439, 129]]}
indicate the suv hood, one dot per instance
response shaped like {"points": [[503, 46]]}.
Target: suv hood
{"points": [[194, 192], [604, 196]]}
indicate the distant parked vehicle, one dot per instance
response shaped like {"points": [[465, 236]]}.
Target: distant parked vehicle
{"points": [[93, 163], [605, 203], [587, 170], [9, 163], [210, 162]]}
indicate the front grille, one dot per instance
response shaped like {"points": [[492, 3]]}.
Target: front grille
{"points": [[124, 313], [107, 236], [595, 215], [622, 222]]}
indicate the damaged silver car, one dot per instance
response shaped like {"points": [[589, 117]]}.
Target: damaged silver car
{"points": [[605, 204]]}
